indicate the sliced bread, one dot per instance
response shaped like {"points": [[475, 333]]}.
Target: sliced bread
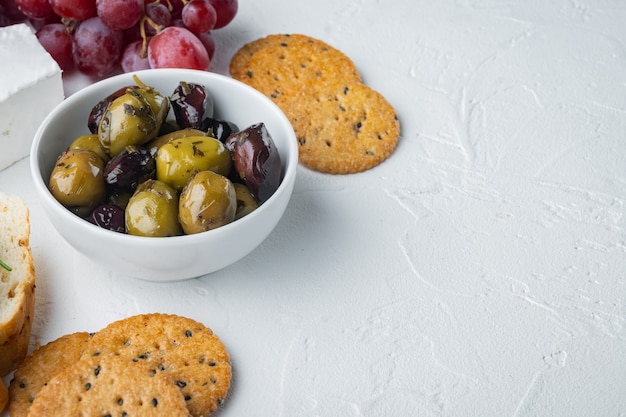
{"points": [[17, 282]]}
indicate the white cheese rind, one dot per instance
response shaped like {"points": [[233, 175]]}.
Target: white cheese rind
{"points": [[30, 87]]}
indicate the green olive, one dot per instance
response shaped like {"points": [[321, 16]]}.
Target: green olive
{"points": [[153, 211], [208, 201], [169, 126], [120, 198], [77, 179], [246, 203], [90, 143], [178, 160], [129, 120], [154, 145], [159, 103]]}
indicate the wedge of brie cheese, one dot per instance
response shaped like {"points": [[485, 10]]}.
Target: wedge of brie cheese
{"points": [[30, 87]]}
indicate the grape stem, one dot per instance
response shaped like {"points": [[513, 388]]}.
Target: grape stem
{"points": [[70, 25], [144, 37], [146, 19], [169, 3]]}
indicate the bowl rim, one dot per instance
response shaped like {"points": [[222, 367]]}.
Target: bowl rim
{"points": [[288, 159]]}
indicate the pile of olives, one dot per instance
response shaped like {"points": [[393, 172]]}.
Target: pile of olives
{"points": [[140, 171]]}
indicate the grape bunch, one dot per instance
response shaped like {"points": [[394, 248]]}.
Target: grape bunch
{"points": [[98, 37]]}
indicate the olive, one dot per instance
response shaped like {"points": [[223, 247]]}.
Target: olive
{"points": [[208, 201], [221, 129], [246, 202], [153, 211], [90, 143], [192, 105], [129, 120], [256, 160], [180, 159], [108, 216], [159, 103], [133, 118], [77, 179], [168, 126], [161, 140], [100, 108], [129, 168], [120, 197]]}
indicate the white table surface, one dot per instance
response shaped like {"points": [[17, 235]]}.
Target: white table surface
{"points": [[479, 271]]}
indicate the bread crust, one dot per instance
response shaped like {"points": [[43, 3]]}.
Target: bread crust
{"points": [[16, 325], [4, 396], [15, 346]]}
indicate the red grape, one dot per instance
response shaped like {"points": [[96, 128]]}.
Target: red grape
{"points": [[119, 14], [199, 16], [37, 24], [77, 10], [11, 12], [159, 14], [226, 11], [99, 36], [177, 22], [177, 47], [96, 47], [209, 43], [35, 9], [156, 17], [4, 18], [55, 39], [132, 59], [176, 7]]}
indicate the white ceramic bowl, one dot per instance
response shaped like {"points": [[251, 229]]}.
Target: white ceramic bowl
{"points": [[167, 258]]}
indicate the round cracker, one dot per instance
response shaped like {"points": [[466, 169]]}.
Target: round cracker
{"points": [[184, 350], [296, 66], [109, 386], [240, 59], [351, 130], [40, 367], [342, 125]]}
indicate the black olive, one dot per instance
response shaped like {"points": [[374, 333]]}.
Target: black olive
{"points": [[108, 216], [221, 129], [192, 105], [98, 110], [129, 168], [256, 160]]}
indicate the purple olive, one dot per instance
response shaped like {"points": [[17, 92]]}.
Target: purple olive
{"points": [[256, 160], [108, 216], [221, 129], [129, 168], [98, 110], [192, 105]]}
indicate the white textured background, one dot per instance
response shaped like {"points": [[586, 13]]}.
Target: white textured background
{"points": [[480, 271]]}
